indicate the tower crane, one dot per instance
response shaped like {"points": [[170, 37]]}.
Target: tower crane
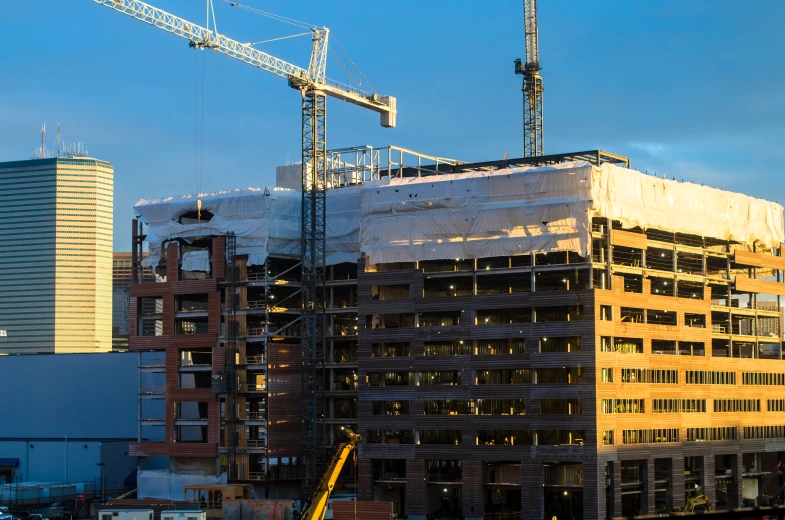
{"points": [[315, 88], [532, 84]]}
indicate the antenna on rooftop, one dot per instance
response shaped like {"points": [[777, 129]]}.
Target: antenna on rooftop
{"points": [[59, 140], [43, 146]]}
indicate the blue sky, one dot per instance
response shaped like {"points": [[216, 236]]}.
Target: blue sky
{"points": [[692, 89]]}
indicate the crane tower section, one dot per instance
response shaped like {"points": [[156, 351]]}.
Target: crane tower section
{"points": [[532, 84]]}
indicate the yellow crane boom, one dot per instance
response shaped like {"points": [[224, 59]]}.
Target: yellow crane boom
{"points": [[316, 506]]}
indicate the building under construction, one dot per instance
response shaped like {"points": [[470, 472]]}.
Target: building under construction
{"points": [[557, 336]]}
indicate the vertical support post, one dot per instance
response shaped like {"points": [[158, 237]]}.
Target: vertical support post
{"points": [[230, 361], [677, 483], [313, 288]]}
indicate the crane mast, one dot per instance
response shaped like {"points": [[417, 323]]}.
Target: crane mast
{"points": [[315, 88], [532, 84]]}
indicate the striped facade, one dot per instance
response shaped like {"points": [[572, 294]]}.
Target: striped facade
{"points": [[56, 255]]}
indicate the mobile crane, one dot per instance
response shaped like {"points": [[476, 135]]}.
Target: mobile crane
{"points": [[315, 506]]}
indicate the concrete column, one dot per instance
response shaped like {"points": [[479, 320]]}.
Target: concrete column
{"points": [[416, 490], [616, 488], [365, 479], [532, 493], [473, 499], [709, 480], [677, 483], [735, 493], [647, 506], [594, 503]]}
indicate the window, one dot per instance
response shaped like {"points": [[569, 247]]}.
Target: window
{"points": [[388, 378], [706, 377], [560, 344], [390, 349], [653, 436], [440, 319], [691, 348], [440, 437], [492, 347], [447, 287], [763, 378], [649, 375], [447, 348], [606, 375], [633, 283], [666, 347], [560, 406], [723, 433], [440, 377], [448, 407], [501, 406], [564, 313], [736, 405], [621, 345], [560, 376], [764, 432], [560, 437], [390, 437], [390, 407], [504, 316], [617, 406], [660, 317], [678, 405], [607, 437], [504, 376], [504, 437], [389, 321], [606, 312], [695, 320], [776, 405], [632, 315]]}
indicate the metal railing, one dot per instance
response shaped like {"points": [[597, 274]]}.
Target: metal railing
{"points": [[255, 360]]}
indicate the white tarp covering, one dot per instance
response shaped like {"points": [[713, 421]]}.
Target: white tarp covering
{"points": [[511, 211], [196, 261], [532, 210], [264, 224], [170, 486], [469, 215]]}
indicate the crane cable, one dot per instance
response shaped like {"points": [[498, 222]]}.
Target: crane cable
{"points": [[198, 133], [305, 25]]}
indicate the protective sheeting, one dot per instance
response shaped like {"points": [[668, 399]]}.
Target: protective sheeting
{"points": [[642, 200], [170, 486], [264, 224], [533, 210], [511, 211], [196, 261], [505, 212]]}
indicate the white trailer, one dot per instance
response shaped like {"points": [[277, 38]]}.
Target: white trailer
{"points": [[125, 514], [185, 514]]}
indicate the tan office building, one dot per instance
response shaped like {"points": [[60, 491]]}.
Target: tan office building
{"points": [[56, 255]]}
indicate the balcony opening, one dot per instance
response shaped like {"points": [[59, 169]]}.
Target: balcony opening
{"points": [[190, 433], [457, 264], [193, 380], [442, 287], [440, 318], [196, 358], [390, 292], [191, 303]]}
